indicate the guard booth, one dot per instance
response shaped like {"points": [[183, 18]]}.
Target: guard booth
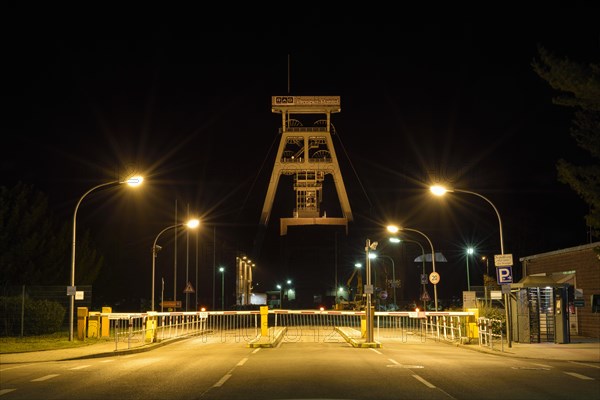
{"points": [[540, 310]]}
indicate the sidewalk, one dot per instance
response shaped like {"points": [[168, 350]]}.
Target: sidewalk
{"points": [[580, 349]]}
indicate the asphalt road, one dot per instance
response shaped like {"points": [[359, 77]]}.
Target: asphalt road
{"points": [[196, 369]]}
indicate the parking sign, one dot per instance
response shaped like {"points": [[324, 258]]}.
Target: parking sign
{"points": [[504, 275]]}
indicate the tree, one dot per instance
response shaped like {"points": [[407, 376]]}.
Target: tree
{"points": [[579, 87], [34, 248]]}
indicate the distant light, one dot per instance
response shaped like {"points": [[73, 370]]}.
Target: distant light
{"points": [[322, 308], [395, 240]]}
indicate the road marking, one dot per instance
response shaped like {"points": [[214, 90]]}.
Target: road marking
{"points": [[107, 361], [242, 362], [576, 375], [532, 368], [43, 378], [4, 391], [81, 367], [222, 380], [256, 350], [574, 362], [376, 351], [423, 381]]}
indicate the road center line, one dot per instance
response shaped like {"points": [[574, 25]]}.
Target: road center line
{"points": [[81, 367], [424, 382], [222, 380], [43, 378], [242, 362]]}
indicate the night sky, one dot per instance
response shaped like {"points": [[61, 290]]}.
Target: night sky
{"points": [[190, 109]]}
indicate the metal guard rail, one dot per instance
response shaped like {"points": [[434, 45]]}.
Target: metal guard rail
{"points": [[129, 330]]}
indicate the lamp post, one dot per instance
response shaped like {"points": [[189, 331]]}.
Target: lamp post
{"points": [[222, 271], [393, 272], [423, 274], [280, 296], [440, 191], [132, 181], [434, 278], [193, 223], [470, 251], [369, 290]]}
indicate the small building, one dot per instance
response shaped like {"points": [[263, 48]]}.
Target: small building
{"points": [[577, 270]]}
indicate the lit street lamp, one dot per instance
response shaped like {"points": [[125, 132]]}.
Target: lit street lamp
{"points": [[423, 274], [373, 255], [193, 223], [470, 251], [280, 296], [132, 181], [434, 278], [222, 271], [369, 290], [440, 191]]}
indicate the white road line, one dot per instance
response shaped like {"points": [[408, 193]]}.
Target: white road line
{"points": [[574, 362], [256, 350], [393, 361], [107, 361], [576, 375], [376, 351], [81, 367], [242, 362], [43, 378], [222, 380], [4, 391], [424, 382]]}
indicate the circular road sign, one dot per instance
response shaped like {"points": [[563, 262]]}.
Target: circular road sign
{"points": [[434, 278]]}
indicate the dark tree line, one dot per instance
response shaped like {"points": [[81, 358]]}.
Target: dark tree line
{"points": [[35, 248], [578, 87]]}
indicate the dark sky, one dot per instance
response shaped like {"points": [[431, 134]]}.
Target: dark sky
{"points": [[190, 109]]}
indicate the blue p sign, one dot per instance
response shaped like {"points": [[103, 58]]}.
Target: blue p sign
{"points": [[504, 275]]}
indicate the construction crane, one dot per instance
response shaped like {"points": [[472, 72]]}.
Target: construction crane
{"points": [[358, 302]]}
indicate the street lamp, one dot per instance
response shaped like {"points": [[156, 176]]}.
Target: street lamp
{"points": [[280, 296], [423, 274], [369, 290], [193, 223], [440, 191], [131, 181], [470, 251], [373, 255], [434, 278], [222, 271]]}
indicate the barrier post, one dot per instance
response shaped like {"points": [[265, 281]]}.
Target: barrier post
{"points": [[151, 326], [472, 329], [93, 328], [264, 321], [105, 323], [82, 313]]}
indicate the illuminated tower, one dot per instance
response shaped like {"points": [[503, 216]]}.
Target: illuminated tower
{"points": [[307, 153]]}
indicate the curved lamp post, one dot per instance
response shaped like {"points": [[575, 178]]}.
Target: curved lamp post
{"points": [[193, 223], [373, 255], [132, 181], [396, 229], [398, 240], [440, 191]]}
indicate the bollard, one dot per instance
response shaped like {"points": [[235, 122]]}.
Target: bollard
{"points": [[264, 321], [82, 313], [151, 323], [93, 327], [105, 323], [473, 331]]}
